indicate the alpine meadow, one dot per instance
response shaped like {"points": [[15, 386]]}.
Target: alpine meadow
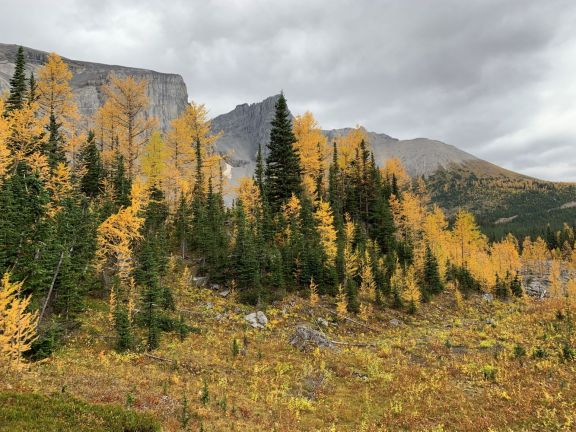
{"points": [[166, 269]]}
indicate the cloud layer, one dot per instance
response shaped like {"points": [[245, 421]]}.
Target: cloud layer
{"points": [[494, 77]]}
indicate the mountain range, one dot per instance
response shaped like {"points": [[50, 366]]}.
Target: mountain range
{"points": [[503, 200]]}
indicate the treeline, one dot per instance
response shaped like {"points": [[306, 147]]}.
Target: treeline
{"points": [[127, 213]]}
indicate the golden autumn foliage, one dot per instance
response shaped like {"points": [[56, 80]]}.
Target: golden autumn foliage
{"points": [[348, 145], [410, 292], [154, 160], [394, 168], [17, 325], [5, 158], [55, 95], [467, 238], [367, 290], [249, 194], [116, 237], [313, 293], [188, 132], [350, 254], [435, 227], [341, 301], [505, 257], [122, 120], [26, 133], [312, 146], [325, 219]]}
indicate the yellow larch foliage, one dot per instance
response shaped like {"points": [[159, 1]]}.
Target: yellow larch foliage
{"points": [[325, 220], [554, 282], [536, 255], [313, 149], [60, 186], [249, 194], [366, 311], [5, 158], [408, 215], [348, 145], [341, 301], [125, 106], [292, 208], [350, 255], [313, 297], [367, 289], [116, 237], [26, 133], [435, 227], [191, 129], [394, 168], [505, 257], [467, 239], [17, 326], [411, 293], [154, 160], [55, 96]]}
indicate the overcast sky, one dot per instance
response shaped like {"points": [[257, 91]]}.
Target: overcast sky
{"points": [[496, 78]]}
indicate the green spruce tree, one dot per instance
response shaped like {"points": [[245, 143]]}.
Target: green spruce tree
{"points": [[17, 96], [283, 170]]}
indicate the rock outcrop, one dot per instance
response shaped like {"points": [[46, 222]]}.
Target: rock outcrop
{"points": [[167, 92], [248, 125]]}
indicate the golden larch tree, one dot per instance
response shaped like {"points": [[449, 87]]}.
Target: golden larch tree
{"points": [[17, 325], [349, 145], [55, 96], [190, 134], [325, 220], [5, 158], [467, 238], [313, 149], [249, 194], [155, 160], [505, 257], [393, 167], [126, 105]]}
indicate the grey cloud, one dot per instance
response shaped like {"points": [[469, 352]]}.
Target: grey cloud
{"points": [[477, 74]]}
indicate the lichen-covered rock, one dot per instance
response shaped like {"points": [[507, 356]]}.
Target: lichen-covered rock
{"points": [[257, 319], [306, 338]]}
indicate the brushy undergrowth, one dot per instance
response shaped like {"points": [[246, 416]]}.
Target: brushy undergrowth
{"points": [[452, 366]]}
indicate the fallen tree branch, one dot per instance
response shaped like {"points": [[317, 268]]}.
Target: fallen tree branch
{"points": [[355, 344], [361, 324]]}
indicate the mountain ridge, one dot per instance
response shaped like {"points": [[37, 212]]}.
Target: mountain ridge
{"points": [[167, 92]]}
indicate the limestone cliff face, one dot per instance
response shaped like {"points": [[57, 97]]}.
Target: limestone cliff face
{"points": [[167, 92]]}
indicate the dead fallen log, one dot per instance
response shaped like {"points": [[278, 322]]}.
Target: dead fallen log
{"points": [[352, 320]]}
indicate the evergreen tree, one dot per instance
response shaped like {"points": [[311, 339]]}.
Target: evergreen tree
{"points": [[244, 261], [121, 182], [259, 171], [24, 229], [516, 286], [17, 95], [181, 225], [54, 147], [92, 181], [283, 171], [32, 90], [216, 242], [123, 327], [431, 281]]}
